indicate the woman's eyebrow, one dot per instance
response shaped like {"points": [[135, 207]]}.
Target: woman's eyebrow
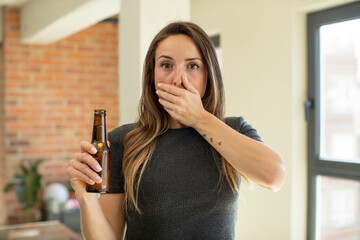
{"points": [[165, 56], [192, 59], [188, 59]]}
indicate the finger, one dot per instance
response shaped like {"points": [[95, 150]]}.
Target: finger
{"points": [[187, 84], [168, 97], [89, 160], [167, 105], [87, 147], [108, 143], [171, 89], [86, 170], [75, 174]]}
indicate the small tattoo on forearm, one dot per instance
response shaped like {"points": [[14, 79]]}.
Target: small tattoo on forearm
{"points": [[211, 139]]}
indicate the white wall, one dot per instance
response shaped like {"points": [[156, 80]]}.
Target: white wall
{"points": [[264, 69], [140, 20]]}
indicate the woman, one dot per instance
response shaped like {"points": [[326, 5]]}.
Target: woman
{"points": [[175, 173]]}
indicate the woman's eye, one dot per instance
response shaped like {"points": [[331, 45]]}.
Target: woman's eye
{"points": [[193, 66], [166, 65]]}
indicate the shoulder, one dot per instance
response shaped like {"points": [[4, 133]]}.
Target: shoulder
{"points": [[118, 134], [237, 123], [241, 126]]}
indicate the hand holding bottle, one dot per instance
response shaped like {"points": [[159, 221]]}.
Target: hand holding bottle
{"points": [[83, 168], [90, 167]]}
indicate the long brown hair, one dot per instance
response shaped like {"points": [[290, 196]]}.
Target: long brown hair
{"points": [[139, 144]]}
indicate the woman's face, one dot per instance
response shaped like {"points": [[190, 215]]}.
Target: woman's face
{"points": [[177, 57]]}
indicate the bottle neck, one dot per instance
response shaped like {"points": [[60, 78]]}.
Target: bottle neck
{"points": [[99, 129]]}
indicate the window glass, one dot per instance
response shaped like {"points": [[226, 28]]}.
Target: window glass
{"points": [[340, 91], [339, 209]]}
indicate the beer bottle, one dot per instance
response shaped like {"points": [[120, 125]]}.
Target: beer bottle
{"points": [[99, 140]]}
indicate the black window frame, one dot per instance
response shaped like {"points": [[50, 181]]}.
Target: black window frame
{"points": [[317, 166]]}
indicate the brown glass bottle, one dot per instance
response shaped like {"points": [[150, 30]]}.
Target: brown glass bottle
{"points": [[99, 140]]}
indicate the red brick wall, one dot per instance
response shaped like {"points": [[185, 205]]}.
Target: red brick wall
{"points": [[50, 94], [2, 158]]}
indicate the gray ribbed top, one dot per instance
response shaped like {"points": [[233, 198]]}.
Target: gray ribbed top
{"points": [[179, 195]]}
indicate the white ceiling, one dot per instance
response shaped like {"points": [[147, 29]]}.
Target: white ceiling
{"points": [[59, 18], [13, 3]]}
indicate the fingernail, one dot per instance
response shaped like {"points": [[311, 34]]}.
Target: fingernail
{"points": [[92, 182], [93, 150], [159, 85], [157, 92], [98, 167], [99, 179], [186, 79]]}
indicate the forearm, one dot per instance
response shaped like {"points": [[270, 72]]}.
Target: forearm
{"points": [[249, 157], [94, 224]]}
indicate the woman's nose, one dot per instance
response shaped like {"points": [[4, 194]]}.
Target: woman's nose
{"points": [[177, 77]]}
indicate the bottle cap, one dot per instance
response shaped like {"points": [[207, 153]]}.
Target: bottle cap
{"points": [[99, 111]]}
